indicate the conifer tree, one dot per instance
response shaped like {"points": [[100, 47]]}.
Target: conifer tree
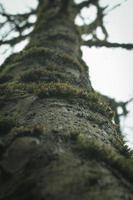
{"points": [[57, 137]]}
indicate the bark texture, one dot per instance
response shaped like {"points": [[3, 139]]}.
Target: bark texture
{"points": [[57, 138]]}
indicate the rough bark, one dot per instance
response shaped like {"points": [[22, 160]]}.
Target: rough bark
{"points": [[57, 138]]}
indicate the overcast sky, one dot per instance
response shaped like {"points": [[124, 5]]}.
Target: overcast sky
{"points": [[111, 70]]}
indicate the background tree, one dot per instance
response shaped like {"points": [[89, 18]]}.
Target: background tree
{"points": [[58, 140]]}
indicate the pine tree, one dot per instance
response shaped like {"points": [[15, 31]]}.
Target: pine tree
{"points": [[57, 137]]}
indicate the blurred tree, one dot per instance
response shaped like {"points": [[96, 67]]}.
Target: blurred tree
{"points": [[58, 139]]}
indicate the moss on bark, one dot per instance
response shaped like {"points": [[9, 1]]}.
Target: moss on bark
{"points": [[57, 137]]}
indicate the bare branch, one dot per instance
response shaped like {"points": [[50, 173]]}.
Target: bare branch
{"points": [[98, 22], [18, 23], [114, 7], [86, 3], [100, 43], [14, 41]]}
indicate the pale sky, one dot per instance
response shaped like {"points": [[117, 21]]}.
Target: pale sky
{"points": [[111, 70]]}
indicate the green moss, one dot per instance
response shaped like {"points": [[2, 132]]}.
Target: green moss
{"points": [[5, 78], [103, 152], [11, 88], [11, 97], [61, 36], [43, 90], [46, 20], [58, 90], [10, 92], [42, 75], [34, 131], [126, 151], [7, 68], [55, 38], [21, 131], [89, 148], [69, 91], [47, 53]]}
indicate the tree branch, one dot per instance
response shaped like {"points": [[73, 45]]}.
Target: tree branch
{"points": [[14, 41], [100, 43], [18, 23]]}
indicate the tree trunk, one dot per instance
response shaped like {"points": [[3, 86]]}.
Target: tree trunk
{"points": [[57, 138]]}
